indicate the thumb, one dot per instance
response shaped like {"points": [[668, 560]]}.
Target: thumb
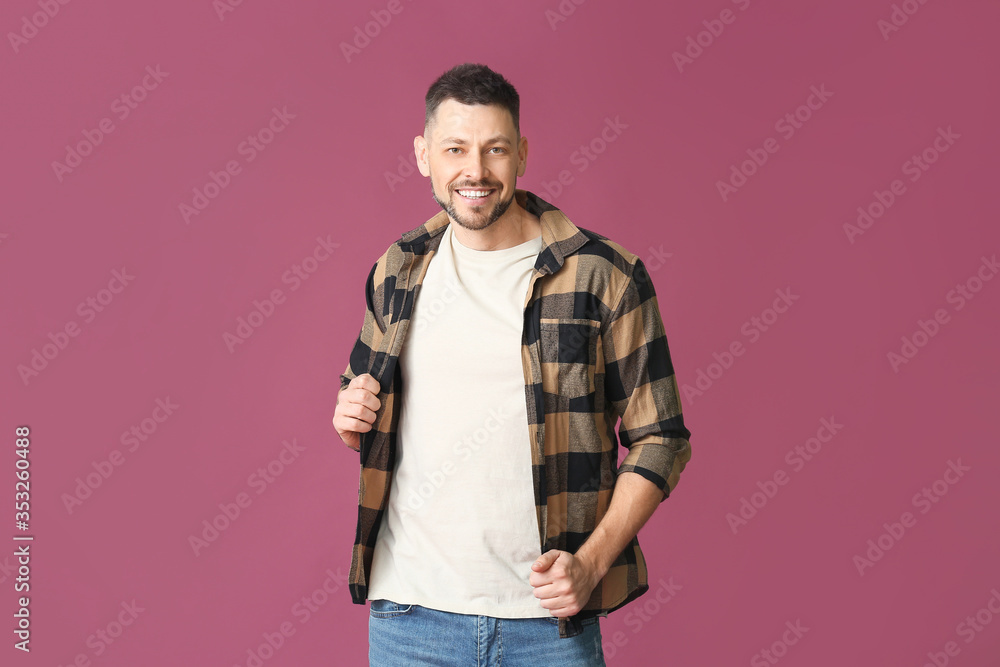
{"points": [[545, 560]]}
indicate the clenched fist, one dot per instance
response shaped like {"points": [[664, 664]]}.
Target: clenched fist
{"points": [[356, 407]]}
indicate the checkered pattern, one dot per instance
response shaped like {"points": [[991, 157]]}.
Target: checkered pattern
{"points": [[593, 350]]}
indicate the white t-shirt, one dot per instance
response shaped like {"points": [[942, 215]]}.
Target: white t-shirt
{"points": [[460, 531]]}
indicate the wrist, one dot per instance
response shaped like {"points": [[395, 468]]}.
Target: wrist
{"points": [[595, 564]]}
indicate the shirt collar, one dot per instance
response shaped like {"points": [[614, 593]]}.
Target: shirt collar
{"points": [[560, 237]]}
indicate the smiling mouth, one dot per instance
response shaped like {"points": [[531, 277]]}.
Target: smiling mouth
{"points": [[475, 196]]}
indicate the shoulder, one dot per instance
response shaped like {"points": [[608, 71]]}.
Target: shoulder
{"points": [[604, 248], [606, 265], [413, 242], [392, 258]]}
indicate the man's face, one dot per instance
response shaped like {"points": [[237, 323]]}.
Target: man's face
{"points": [[469, 150]]}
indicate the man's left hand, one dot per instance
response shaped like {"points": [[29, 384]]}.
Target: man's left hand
{"points": [[563, 582]]}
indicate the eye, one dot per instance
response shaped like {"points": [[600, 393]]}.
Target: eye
{"points": [[497, 148], [453, 148]]}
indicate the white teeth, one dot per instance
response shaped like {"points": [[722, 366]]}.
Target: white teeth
{"points": [[472, 194]]}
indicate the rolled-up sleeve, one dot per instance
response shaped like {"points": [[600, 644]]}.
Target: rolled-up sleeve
{"points": [[641, 387]]}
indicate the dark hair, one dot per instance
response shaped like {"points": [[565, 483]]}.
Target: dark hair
{"points": [[473, 83]]}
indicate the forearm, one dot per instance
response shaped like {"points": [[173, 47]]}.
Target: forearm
{"points": [[634, 500]]}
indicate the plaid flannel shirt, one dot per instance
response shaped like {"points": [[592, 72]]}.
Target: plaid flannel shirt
{"points": [[593, 350]]}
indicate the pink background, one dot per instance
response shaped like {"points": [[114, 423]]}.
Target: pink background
{"points": [[653, 188]]}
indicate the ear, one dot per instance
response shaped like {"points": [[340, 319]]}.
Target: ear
{"points": [[522, 156], [420, 150]]}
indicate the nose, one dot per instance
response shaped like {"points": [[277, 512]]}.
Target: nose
{"points": [[475, 170]]}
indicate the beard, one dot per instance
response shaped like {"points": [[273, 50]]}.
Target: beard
{"points": [[480, 217]]}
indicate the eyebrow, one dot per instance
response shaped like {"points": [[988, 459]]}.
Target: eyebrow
{"points": [[498, 139]]}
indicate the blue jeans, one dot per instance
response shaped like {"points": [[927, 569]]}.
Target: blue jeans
{"points": [[408, 634]]}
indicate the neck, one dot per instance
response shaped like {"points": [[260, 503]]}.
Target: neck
{"points": [[515, 226]]}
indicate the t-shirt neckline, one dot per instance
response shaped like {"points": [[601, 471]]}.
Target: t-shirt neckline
{"points": [[526, 249]]}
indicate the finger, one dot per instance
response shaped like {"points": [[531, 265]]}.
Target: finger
{"points": [[357, 425], [368, 399], [546, 591], [545, 561], [363, 395], [540, 578], [351, 396], [367, 382], [560, 612], [555, 606], [359, 411]]}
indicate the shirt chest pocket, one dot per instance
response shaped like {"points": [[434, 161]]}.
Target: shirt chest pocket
{"points": [[570, 351]]}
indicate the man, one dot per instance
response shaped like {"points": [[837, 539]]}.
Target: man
{"points": [[494, 522]]}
